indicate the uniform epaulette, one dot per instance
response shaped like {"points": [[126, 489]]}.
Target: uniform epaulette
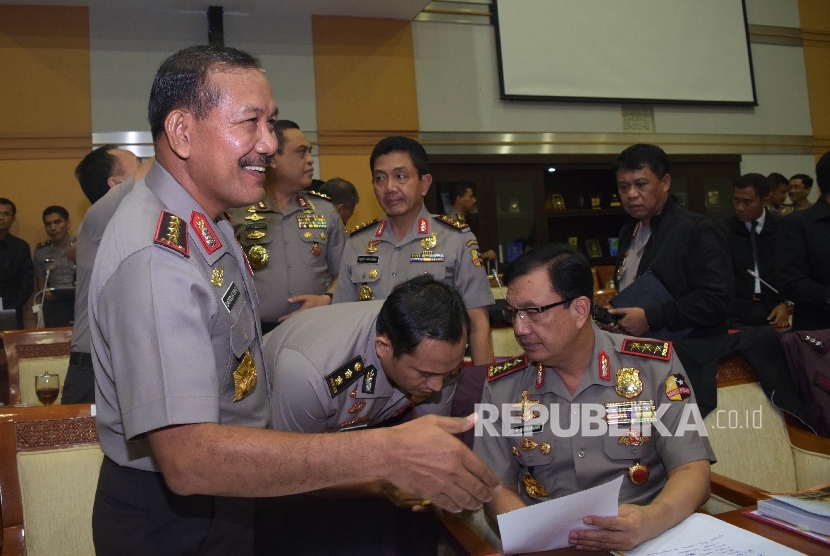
{"points": [[506, 367], [345, 376], [318, 194], [655, 349], [172, 233], [44, 243], [452, 223], [361, 227]]}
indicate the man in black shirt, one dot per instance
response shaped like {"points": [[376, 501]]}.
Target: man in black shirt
{"points": [[16, 269]]}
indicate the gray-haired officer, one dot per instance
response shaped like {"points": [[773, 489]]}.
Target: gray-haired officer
{"points": [[293, 238], [411, 242], [573, 369]]}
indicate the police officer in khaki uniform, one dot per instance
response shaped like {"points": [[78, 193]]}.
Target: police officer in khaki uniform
{"points": [[357, 365], [293, 238], [410, 242], [626, 383], [182, 396], [51, 261]]}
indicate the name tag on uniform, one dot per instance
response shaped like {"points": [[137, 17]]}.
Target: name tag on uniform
{"points": [[256, 225], [231, 296], [526, 429], [426, 257], [372, 260], [311, 221]]}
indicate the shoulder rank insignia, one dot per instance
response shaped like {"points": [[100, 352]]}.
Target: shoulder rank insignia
{"points": [[207, 236], [44, 243], [506, 367], [451, 223], [361, 227], [172, 233], [318, 194], [342, 378], [656, 349]]}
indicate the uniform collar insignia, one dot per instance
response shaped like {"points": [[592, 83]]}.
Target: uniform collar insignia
{"points": [[604, 366], [207, 236], [381, 228]]}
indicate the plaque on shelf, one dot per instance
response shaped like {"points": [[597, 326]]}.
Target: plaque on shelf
{"points": [[574, 241], [613, 246], [593, 247], [557, 201], [514, 205], [513, 251], [615, 201], [596, 202]]}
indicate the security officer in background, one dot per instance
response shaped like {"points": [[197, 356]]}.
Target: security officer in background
{"points": [[293, 238], [569, 362], [50, 260], [410, 242]]}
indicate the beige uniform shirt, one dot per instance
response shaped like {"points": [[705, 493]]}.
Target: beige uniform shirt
{"points": [[566, 463], [375, 261], [303, 247]]}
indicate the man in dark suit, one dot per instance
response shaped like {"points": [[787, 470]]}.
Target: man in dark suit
{"points": [[751, 233], [803, 254]]}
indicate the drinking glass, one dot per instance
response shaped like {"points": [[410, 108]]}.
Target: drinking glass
{"points": [[47, 388]]}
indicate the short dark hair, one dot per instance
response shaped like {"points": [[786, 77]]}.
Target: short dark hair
{"points": [[422, 308], [775, 179], [805, 179], [400, 144], [638, 156], [569, 271], [823, 173], [457, 189], [94, 170], [757, 182], [279, 128], [55, 209], [182, 81], [4, 201], [341, 192]]}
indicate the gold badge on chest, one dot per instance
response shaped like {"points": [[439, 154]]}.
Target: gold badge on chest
{"points": [[244, 377], [629, 384], [217, 277], [257, 256], [430, 241], [365, 293], [533, 488]]}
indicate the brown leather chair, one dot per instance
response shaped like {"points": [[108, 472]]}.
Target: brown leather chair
{"points": [[32, 352], [49, 463]]}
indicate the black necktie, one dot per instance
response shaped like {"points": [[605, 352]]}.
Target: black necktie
{"points": [[753, 239]]}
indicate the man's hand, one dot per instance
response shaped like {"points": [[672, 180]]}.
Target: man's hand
{"points": [[780, 316], [424, 458], [633, 322], [401, 499], [623, 532], [308, 302]]}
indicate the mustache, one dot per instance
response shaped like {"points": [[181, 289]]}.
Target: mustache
{"points": [[260, 160]]}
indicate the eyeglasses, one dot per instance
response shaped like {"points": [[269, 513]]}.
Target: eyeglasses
{"points": [[533, 313]]}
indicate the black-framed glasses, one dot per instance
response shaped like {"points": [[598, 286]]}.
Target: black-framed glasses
{"points": [[534, 314]]}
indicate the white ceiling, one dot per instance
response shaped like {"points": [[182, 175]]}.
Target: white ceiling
{"points": [[392, 9]]}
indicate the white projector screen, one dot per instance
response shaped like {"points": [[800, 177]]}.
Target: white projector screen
{"points": [[678, 51]]}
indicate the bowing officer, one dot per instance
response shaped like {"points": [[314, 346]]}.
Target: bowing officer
{"points": [[410, 242], [293, 238], [630, 382]]}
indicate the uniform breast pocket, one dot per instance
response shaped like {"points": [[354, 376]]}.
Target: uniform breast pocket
{"points": [[365, 273], [632, 446], [437, 269], [534, 450], [314, 241]]}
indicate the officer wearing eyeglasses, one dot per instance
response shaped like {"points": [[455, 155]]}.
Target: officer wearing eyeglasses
{"points": [[580, 373]]}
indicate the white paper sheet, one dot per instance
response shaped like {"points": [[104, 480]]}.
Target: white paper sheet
{"points": [[546, 526], [701, 534]]}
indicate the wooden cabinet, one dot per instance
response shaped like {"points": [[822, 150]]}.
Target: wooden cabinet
{"points": [[516, 193]]}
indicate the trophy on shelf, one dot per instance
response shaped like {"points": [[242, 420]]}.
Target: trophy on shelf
{"points": [[555, 201]]}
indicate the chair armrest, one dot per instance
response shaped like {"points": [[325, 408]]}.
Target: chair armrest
{"points": [[12, 543], [736, 492], [461, 538], [803, 438]]}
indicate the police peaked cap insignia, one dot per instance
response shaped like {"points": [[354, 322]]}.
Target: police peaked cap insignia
{"points": [[361, 227], [317, 194], [172, 233], [655, 349], [506, 367], [451, 223], [339, 381]]}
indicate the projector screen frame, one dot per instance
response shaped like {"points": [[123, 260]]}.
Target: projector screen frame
{"points": [[504, 96]]}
